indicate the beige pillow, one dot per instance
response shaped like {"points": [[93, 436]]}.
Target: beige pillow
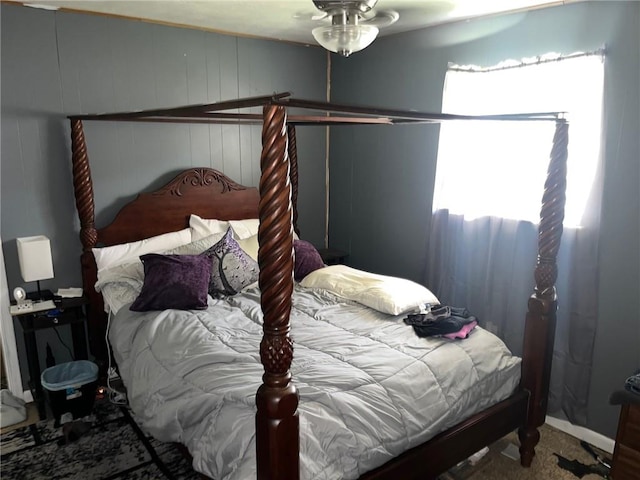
{"points": [[249, 245], [386, 294]]}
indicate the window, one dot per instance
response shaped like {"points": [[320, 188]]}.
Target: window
{"points": [[504, 163]]}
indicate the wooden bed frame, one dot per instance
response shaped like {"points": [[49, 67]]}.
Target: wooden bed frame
{"points": [[210, 194]]}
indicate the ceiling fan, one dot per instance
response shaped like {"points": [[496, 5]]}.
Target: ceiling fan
{"points": [[354, 24]]}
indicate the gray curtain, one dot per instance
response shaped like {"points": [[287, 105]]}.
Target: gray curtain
{"points": [[486, 263]]}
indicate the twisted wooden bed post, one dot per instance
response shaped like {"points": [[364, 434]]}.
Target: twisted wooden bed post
{"points": [[83, 191], [293, 174], [540, 324], [277, 425]]}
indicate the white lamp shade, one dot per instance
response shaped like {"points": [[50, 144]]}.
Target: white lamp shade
{"points": [[34, 254], [345, 39]]}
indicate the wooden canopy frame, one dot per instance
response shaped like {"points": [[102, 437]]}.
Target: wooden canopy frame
{"points": [[277, 426]]}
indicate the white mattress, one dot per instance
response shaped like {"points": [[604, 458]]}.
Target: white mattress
{"points": [[369, 387]]}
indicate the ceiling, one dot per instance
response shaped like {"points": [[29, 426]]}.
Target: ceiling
{"points": [[288, 20]]}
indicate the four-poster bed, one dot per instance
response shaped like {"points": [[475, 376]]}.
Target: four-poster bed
{"points": [[209, 194]]}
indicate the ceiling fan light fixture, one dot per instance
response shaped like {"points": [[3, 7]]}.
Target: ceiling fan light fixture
{"points": [[345, 39]]}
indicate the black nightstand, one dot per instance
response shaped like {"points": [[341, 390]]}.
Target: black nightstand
{"points": [[332, 256], [69, 311]]}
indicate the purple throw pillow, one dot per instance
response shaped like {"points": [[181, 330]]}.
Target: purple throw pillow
{"points": [[173, 281], [232, 269], [307, 259]]}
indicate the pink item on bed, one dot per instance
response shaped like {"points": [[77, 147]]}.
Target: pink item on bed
{"points": [[463, 332]]}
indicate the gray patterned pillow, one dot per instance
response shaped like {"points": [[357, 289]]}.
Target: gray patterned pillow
{"points": [[196, 247], [232, 269]]}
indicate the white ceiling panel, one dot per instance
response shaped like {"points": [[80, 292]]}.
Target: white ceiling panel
{"points": [[288, 20]]}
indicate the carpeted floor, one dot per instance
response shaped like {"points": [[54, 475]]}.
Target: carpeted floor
{"points": [[115, 448], [495, 465]]}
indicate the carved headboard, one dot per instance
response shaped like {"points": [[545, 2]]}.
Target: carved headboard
{"points": [[201, 191]]}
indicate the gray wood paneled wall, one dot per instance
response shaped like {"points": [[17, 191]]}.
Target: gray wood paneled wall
{"points": [[56, 63]]}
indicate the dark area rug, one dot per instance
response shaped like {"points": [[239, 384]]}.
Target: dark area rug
{"points": [[113, 447]]}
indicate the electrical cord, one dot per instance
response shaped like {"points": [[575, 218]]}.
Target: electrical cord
{"points": [[55, 329], [116, 397]]}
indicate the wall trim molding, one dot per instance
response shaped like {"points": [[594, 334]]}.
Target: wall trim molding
{"points": [[27, 396], [592, 438], [8, 336]]}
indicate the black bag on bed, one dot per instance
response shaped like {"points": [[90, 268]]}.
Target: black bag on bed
{"points": [[440, 320]]}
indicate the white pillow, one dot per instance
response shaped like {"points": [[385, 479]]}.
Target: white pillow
{"points": [[201, 228], [118, 294], [112, 256], [386, 294], [120, 284]]}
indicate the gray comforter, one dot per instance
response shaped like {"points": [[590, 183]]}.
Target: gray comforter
{"points": [[369, 387]]}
